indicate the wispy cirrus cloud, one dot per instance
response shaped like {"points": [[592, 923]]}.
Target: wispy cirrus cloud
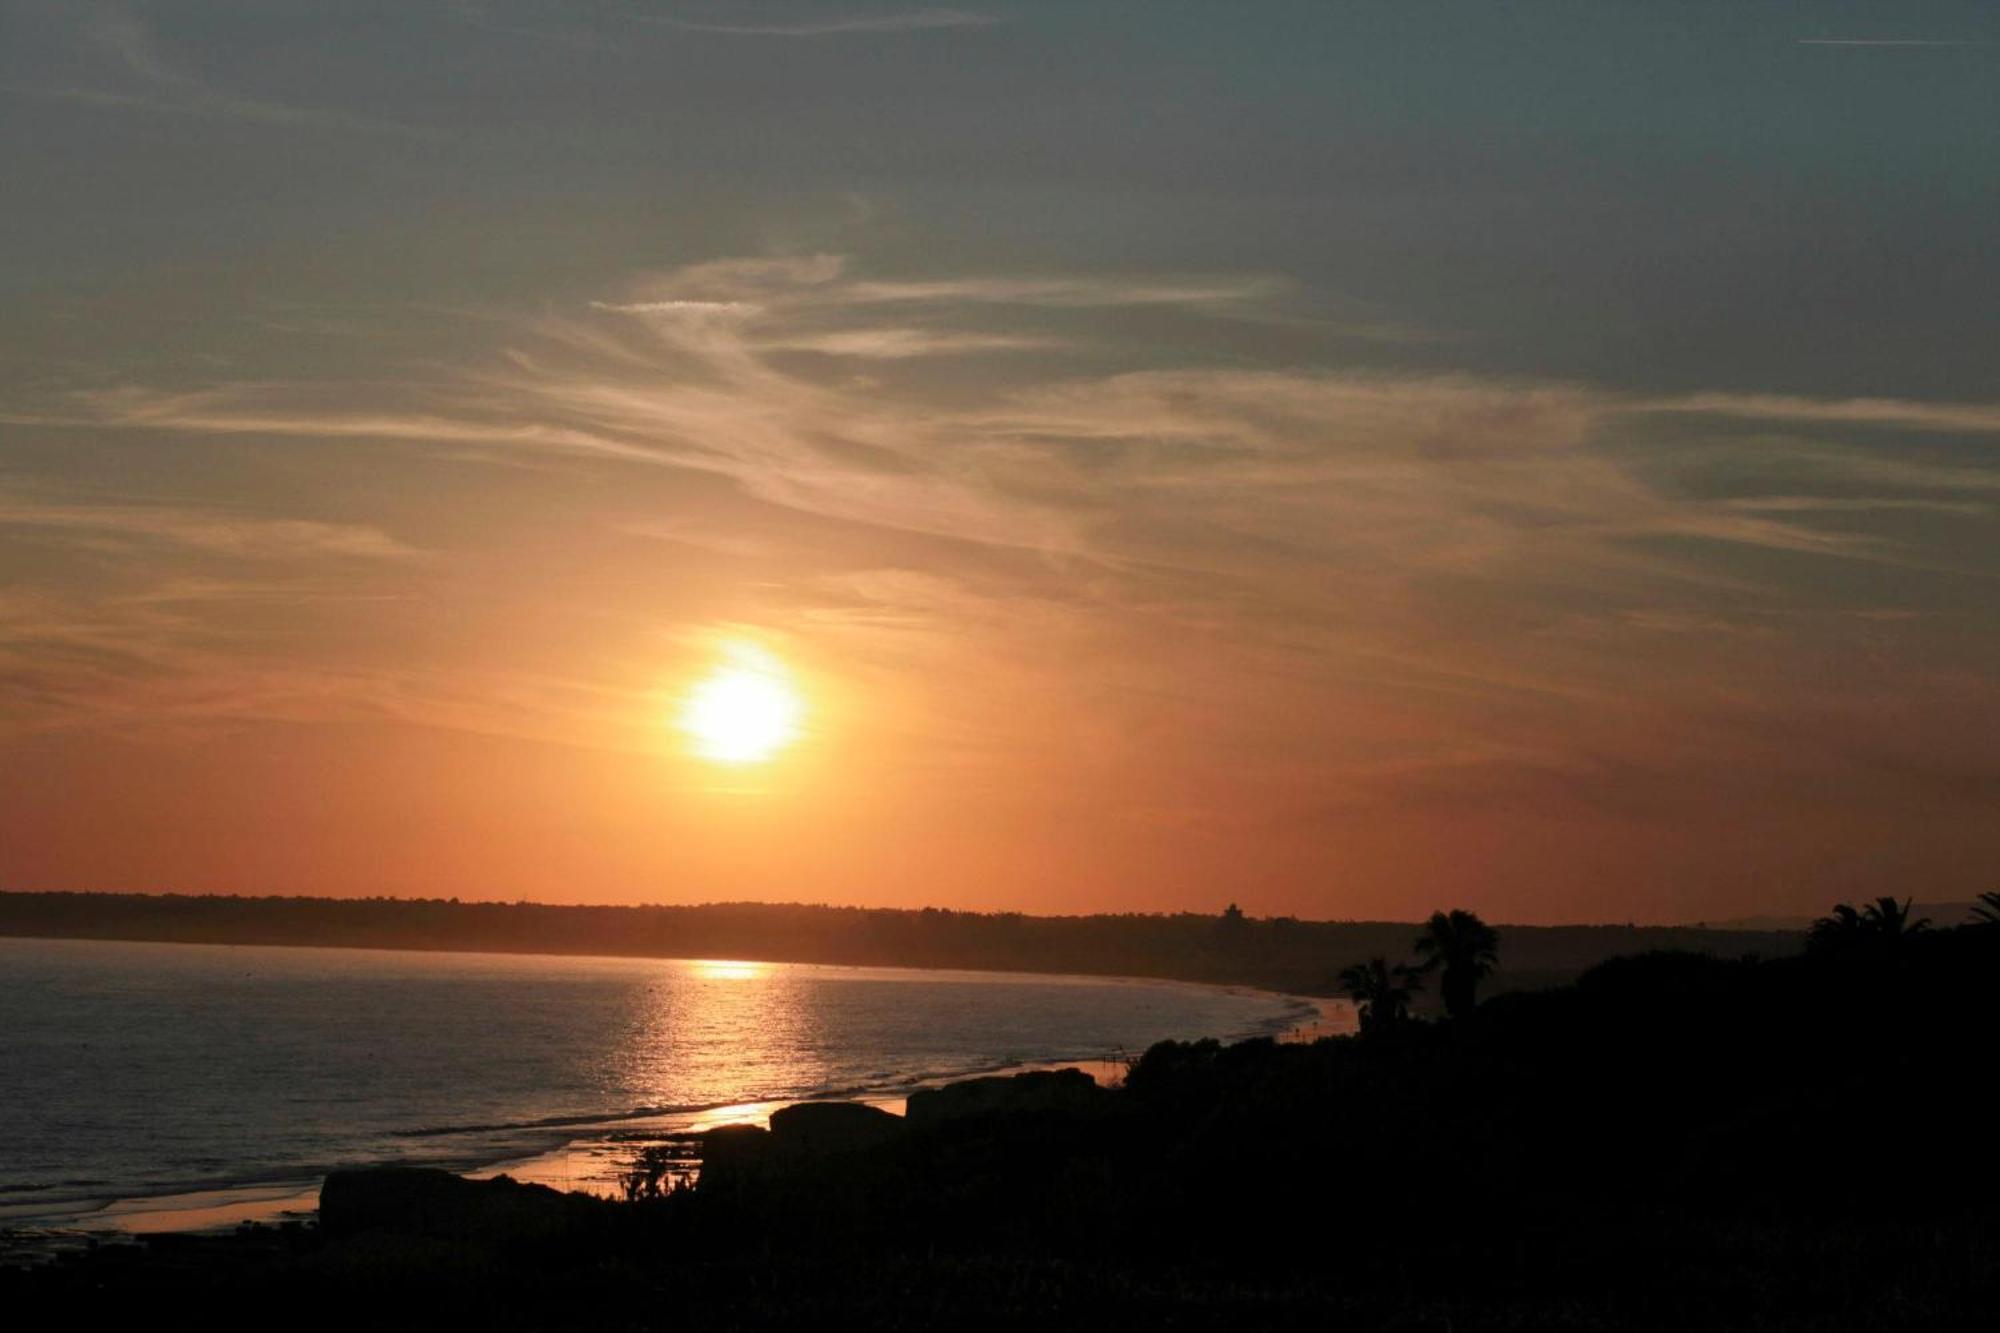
{"points": [[1066, 292], [688, 380], [677, 307], [909, 20], [1455, 556], [805, 282], [609, 31], [217, 532], [901, 344], [1886, 41], [1892, 413], [142, 76], [157, 615], [278, 411]]}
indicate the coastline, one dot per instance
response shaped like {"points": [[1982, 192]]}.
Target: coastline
{"points": [[1656, 1143], [592, 1151]]}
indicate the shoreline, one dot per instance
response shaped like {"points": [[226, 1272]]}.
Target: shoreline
{"points": [[594, 1150], [1671, 1174]]}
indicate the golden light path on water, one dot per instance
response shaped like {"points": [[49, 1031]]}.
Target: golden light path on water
{"points": [[719, 969], [722, 1026]]}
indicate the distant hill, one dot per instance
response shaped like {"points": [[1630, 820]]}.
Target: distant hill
{"points": [[1279, 953], [1939, 914]]}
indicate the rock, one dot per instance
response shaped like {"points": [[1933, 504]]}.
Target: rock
{"points": [[732, 1156], [818, 1128], [1060, 1091], [729, 1143], [422, 1201], [803, 1140]]}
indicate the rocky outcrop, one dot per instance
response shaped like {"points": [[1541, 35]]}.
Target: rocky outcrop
{"points": [[803, 1140], [1061, 1091], [734, 1142], [826, 1141], [817, 1128], [424, 1202]]}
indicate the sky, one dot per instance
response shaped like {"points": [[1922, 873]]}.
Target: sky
{"points": [[1343, 458]]}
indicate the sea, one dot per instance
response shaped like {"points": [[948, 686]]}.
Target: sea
{"points": [[160, 1086]]}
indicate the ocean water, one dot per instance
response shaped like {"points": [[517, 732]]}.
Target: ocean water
{"points": [[135, 1070]]}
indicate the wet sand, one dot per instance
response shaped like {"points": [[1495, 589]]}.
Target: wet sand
{"points": [[1330, 1018]]}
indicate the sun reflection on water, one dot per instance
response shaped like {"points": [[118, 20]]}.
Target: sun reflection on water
{"points": [[719, 1028], [727, 969]]}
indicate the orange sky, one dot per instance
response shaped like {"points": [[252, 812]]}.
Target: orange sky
{"points": [[369, 505]]}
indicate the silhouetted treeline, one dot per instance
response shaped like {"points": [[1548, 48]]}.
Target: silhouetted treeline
{"points": [[1280, 953]]}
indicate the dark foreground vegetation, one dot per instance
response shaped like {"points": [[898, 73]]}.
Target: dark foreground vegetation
{"points": [[1279, 953], [1675, 1142]]}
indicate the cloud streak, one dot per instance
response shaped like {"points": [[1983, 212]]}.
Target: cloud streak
{"points": [[1884, 41], [1889, 413], [153, 82], [1438, 471], [913, 20], [199, 530]]}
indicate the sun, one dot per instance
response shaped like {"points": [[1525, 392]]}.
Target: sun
{"points": [[745, 711]]}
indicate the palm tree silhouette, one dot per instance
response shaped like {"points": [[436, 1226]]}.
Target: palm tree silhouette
{"points": [[1465, 949], [1987, 913], [1381, 992], [1884, 922], [1839, 929], [1888, 919]]}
